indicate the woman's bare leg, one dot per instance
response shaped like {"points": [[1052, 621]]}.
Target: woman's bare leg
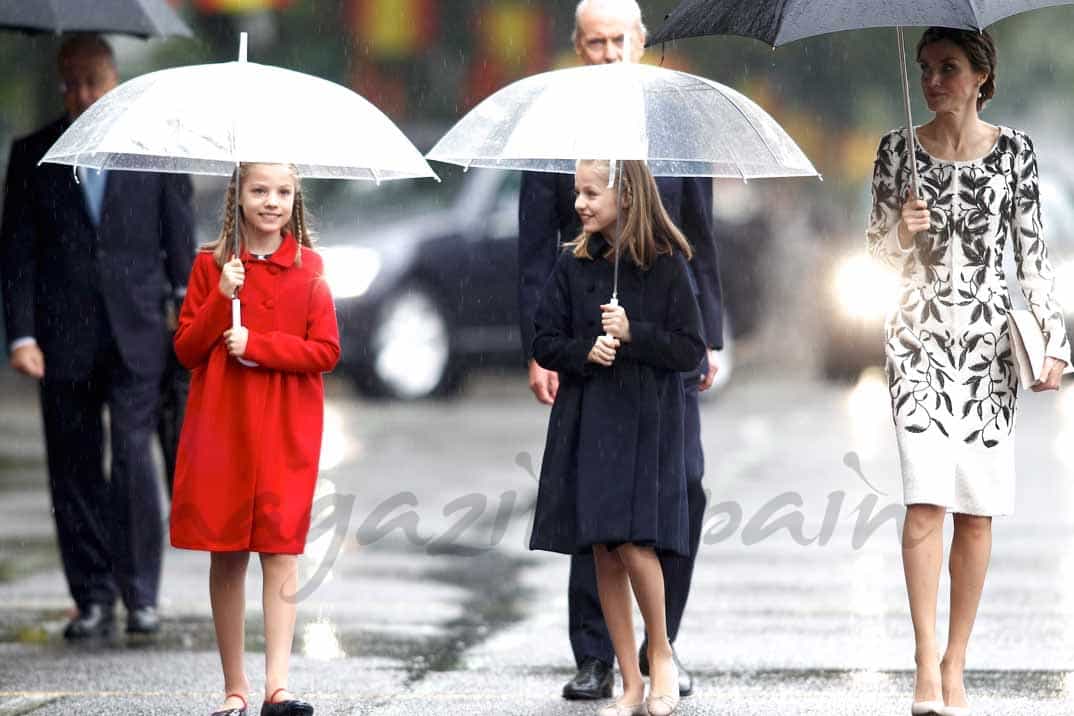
{"points": [[922, 560], [971, 550]]}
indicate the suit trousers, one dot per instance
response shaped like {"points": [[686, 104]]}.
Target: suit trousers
{"points": [[110, 531], [588, 632]]}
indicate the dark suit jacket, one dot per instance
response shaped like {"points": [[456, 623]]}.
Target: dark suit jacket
{"points": [[547, 219], [66, 281]]}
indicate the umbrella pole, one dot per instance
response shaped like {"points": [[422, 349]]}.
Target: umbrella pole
{"points": [[911, 140], [617, 176], [236, 306]]}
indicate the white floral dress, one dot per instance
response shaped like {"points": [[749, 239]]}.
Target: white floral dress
{"points": [[950, 372]]}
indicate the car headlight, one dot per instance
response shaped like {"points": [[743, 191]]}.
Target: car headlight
{"points": [[864, 288], [350, 270], [1064, 285]]}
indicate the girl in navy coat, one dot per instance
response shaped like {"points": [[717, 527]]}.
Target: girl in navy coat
{"points": [[613, 477]]}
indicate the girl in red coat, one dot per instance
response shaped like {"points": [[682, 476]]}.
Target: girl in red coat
{"points": [[251, 440]]}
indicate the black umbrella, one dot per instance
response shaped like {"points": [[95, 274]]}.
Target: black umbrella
{"points": [[141, 18], [778, 22]]}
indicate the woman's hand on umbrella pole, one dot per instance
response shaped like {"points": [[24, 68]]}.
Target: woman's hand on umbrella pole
{"points": [[614, 320], [235, 340], [915, 220], [603, 351], [232, 277], [1052, 375]]}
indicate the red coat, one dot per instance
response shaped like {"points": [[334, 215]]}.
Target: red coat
{"points": [[251, 440]]}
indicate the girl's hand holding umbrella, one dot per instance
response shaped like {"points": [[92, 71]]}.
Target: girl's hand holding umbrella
{"points": [[232, 278], [235, 339], [603, 351], [915, 220], [614, 320]]}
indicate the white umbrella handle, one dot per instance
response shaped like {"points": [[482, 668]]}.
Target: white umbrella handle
{"points": [[236, 322], [613, 301]]}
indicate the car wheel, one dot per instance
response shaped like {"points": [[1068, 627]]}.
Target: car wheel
{"points": [[409, 353]]}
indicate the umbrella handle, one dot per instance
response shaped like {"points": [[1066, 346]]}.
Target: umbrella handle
{"points": [[236, 322], [613, 301]]}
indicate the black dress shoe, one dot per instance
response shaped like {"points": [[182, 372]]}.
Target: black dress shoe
{"points": [[290, 707], [93, 622], [686, 682], [143, 620], [593, 681]]}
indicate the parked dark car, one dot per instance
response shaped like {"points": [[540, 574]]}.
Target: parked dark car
{"points": [[425, 278]]}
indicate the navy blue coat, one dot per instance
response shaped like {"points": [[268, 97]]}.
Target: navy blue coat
{"points": [[613, 468], [547, 220], [69, 283]]}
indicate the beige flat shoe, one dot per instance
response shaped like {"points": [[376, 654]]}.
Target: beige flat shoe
{"points": [[617, 709], [662, 705]]}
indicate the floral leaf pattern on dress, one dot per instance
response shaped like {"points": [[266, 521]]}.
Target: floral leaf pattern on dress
{"points": [[949, 362]]}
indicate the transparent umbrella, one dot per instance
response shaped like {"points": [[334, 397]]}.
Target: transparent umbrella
{"points": [[680, 124], [208, 119]]}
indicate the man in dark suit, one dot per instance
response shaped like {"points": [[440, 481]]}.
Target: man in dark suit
{"points": [[83, 266], [612, 31]]}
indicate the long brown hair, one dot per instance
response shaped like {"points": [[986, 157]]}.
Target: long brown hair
{"points": [[224, 246], [646, 230]]}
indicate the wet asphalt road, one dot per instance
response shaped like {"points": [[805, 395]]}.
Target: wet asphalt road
{"points": [[419, 595]]}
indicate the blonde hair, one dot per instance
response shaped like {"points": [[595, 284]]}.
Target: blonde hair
{"points": [[646, 230], [223, 247]]}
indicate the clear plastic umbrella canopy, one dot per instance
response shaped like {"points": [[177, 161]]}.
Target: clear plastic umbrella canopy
{"points": [[205, 119], [682, 125]]}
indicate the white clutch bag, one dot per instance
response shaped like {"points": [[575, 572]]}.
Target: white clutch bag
{"points": [[1027, 347]]}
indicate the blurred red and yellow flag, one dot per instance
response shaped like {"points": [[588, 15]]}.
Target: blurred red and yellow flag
{"points": [[237, 6], [393, 29], [512, 41]]}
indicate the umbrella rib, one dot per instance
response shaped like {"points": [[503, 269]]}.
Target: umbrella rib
{"points": [[976, 15], [55, 16], [147, 19], [779, 22]]}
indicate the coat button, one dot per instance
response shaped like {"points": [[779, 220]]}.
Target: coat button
{"points": [[591, 288], [269, 304], [591, 322], [273, 270]]}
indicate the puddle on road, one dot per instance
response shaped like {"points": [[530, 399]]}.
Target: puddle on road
{"points": [[494, 601], [23, 557]]}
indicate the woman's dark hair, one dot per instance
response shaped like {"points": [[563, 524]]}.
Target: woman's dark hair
{"points": [[979, 49]]}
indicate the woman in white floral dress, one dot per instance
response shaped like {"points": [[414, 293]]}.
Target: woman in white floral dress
{"points": [[952, 380]]}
